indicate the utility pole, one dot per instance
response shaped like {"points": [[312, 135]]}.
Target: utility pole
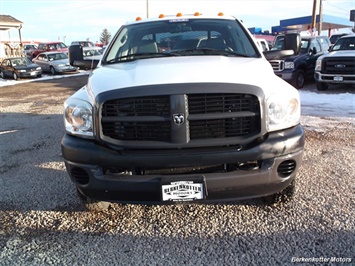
{"points": [[314, 16], [320, 17], [147, 8]]}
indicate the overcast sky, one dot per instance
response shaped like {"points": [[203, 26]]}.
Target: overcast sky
{"points": [[52, 20]]}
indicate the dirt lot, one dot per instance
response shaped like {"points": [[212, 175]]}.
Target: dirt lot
{"points": [[42, 221]]}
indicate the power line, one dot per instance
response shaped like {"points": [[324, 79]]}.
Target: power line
{"points": [[344, 11]]}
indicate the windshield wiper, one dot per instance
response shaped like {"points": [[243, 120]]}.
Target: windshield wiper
{"points": [[132, 57], [208, 51]]}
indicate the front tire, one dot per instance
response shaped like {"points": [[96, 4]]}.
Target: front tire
{"points": [[92, 204], [283, 196], [2, 75], [53, 71], [15, 76], [322, 86], [299, 80]]}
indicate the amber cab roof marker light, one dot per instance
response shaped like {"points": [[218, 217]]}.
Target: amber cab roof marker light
{"points": [[196, 14], [179, 14], [220, 14], [161, 16], [138, 18]]}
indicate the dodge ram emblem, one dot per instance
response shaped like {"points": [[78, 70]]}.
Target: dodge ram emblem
{"points": [[340, 66], [179, 119]]}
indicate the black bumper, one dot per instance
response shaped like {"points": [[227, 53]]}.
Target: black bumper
{"points": [[87, 163]]}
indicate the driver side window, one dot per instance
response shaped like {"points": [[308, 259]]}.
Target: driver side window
{"points": [[315, 47]]}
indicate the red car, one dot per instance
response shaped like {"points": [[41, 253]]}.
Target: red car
{"points": [[49, 47]]}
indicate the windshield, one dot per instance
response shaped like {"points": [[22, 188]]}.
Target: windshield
{"points": [[24, 61], [57, 56], [344, 44], [181, 37]]}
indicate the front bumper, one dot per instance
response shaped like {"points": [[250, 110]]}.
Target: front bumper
{"points": [[334, 78], [31, 74], [87, 163], [287, 75], [66, 69]]}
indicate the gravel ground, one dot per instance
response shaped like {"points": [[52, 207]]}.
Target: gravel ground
{"points": [[42, 221]]}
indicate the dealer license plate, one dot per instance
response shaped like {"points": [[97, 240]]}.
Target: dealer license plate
{"points": [[339, 79], [33, 73], [182, 191]]}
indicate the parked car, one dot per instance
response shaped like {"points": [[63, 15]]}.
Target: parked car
{"points": [[19, 67], [333, 39], [54, 62], [296, 63], [93, 53], [27, 48], [337, 66], [179, 125], [49, 47]]}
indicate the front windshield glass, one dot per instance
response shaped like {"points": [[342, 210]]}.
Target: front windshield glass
{"points": [[24, 61], [344, 44], [57, 56], [181, 37]]}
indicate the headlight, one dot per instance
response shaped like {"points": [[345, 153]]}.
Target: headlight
{"points": [[61, 65], [78, 117], [289, 65], [284, 111], [38, 68], [22, 70], [318, 65]]}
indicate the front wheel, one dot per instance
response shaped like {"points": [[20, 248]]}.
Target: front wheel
{"points": [[2, 75], [283, 196], [321, 86], [92, 204], [15, 76], [53, 71], [299, 80]]}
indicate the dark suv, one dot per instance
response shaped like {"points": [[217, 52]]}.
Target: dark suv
{"points": [[295, 62]]}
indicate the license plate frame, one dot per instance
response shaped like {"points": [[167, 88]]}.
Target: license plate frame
{"points": [[184, 189]]}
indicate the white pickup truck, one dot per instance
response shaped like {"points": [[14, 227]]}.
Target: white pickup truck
{"points": [[182, 109]]}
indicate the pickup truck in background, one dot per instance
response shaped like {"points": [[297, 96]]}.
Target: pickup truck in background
{"points": [[337, 66], [296, 63], [49, 47]]}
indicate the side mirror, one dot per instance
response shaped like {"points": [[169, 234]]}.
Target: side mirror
{"points": [[293, 42], [76, 58], [313, 51]]}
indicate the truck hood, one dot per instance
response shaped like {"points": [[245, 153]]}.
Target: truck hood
{"points": [[341, 53], [184, 69]]}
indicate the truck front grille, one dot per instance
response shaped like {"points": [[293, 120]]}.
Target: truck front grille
{"points": [[144, 119], [339, 66], [206, 116], [277, 65]]}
